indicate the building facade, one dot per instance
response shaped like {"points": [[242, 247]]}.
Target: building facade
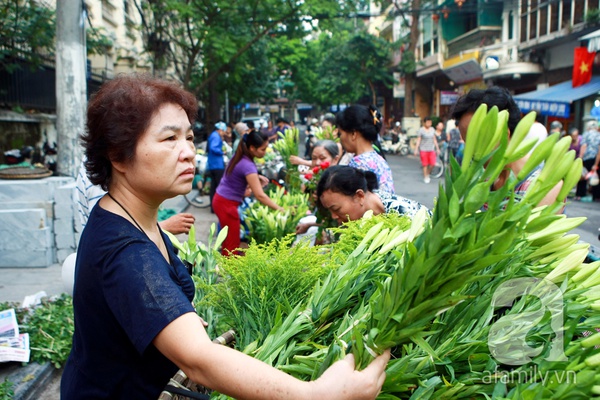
{"points": [[522, 45]]}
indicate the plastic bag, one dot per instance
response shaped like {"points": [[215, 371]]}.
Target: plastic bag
{"points": [[593, 178]]}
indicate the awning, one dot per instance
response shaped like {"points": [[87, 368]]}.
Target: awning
{"points": [[556, 100], [463, 68]]}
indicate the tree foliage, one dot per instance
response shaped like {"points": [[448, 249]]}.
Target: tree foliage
{"points": [[344, 65], [232, 44], [26, 33]]}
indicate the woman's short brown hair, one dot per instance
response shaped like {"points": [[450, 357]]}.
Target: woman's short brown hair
{"points": [[119, 113]]}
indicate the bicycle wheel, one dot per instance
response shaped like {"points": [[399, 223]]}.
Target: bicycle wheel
{"points": [[198, 199], [438, 169]]}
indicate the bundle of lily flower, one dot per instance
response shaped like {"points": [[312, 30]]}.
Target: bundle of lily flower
{"points": [[476, 304]]}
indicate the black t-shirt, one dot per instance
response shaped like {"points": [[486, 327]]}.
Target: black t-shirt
{"points": [[125, 294]]}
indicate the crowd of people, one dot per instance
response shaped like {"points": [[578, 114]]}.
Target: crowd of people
{"points": [[139, 149]]}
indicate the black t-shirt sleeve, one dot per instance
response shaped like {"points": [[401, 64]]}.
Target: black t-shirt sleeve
{"points": [[143, 291]]}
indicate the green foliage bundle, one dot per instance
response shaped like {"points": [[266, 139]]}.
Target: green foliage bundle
{"points": [[326, 134], [263, 285], [352, 233], [202, 259], [6, 390]]}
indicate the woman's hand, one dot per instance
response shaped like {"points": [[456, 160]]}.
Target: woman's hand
{"points": [[264, 181], [302, 228], [178, 223], [342, 381], [295, 160]]}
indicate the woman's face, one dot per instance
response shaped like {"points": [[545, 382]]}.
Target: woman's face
{"points": [[347, 140], [163, 165], [259, 152], [320, 155], [463, 124], [343, 208]]}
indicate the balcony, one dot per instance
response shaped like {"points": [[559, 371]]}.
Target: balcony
{"points": [[431, 65], [474, 39], [502, 61]]}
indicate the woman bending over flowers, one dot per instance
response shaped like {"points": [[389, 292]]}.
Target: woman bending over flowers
{"points": [[325, 154], [350, 192]]}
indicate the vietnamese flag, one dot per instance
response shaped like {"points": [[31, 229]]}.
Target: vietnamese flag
{"points": [[582, 66]]}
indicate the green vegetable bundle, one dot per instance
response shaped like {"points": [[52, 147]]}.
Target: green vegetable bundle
{"points": [[263, 285], [326, 134], [50, 327], [203, 260]]}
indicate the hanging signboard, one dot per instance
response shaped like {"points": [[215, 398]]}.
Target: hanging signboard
{"points": [[399, 86]]}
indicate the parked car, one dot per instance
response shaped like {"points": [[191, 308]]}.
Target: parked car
{"points": [[259, 122]]}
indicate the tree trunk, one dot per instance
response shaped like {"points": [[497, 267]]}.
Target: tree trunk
{"points": [[412, 45], [71, 90], [373, 93], [408, 97]]}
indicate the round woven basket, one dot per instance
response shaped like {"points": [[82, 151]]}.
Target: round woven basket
{"points": [[24, 173]]}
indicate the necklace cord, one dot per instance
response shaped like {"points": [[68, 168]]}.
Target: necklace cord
{"points": [[130, 216], [141, 229]]}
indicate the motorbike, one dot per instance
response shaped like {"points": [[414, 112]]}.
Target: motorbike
{"points": [[274, 170], [395, 144]]}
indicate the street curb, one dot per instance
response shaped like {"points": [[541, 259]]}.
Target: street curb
{"points": [[29, 380]]}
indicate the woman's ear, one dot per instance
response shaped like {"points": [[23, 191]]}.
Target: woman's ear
{"points": [[359, 196], [119, 166]]}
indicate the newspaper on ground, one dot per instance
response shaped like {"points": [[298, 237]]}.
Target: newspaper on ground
{"points": [[13, 346]]}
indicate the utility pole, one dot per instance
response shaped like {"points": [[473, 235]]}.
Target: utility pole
{"points": [[227, 120], [71, 89]]}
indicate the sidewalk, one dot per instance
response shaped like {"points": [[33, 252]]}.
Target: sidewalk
{"points": [[16, 283]]}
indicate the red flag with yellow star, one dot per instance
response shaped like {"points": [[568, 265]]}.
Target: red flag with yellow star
{"points": [[582, 66]]}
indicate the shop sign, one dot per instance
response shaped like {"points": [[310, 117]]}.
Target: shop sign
{"points": [[448, 97], [399, 86], [549, 108]]}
